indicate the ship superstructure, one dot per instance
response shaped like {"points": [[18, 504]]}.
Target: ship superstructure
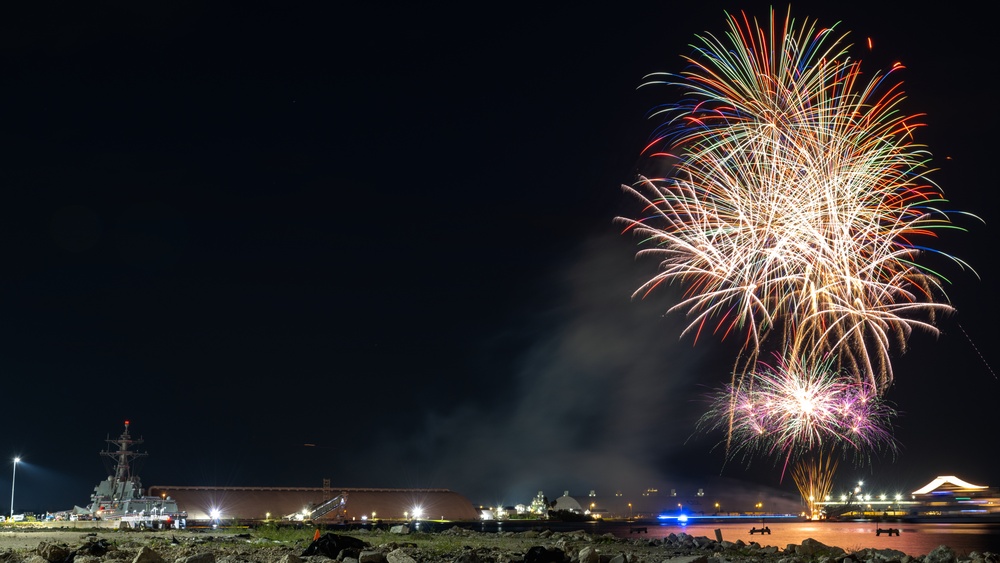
{"points": [[121, 496]]}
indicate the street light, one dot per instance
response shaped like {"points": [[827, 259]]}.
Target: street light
{"points": [[12, 477]]}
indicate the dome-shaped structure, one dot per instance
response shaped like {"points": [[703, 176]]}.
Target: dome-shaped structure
{"points": [[568, 503]]}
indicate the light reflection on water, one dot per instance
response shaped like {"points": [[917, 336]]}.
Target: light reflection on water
{"points": [[913, 539]]}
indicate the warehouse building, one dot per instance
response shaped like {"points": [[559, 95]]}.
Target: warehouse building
{"points": [[317, 504]]}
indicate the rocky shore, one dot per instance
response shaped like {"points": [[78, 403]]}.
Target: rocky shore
{"points": [[450, 546]]}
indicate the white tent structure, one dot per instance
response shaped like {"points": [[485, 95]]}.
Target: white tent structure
{"points": [[948, 483]]}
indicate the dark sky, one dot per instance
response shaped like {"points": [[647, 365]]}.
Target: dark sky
{"points": [[387, 231]]}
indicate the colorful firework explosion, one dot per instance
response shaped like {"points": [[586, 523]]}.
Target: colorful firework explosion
{"points": [[796, 204], [791, 409]]}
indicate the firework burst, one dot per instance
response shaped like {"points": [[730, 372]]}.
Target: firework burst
{"points": [[792, 408], [796, 205]]}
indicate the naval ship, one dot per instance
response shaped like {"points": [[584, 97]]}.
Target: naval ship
{"points": [[121, 497]]}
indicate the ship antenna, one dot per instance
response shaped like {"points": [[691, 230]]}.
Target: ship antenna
{"points": [[123, 457]]}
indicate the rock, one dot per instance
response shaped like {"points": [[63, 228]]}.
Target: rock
{"points": [[941, 554], [456, 545], [147, 555], [371, 556], [811, 547], [688, 559], [880, 555], [93, 547], [467, 557], [53, 553], [539, 554], [399, 556], [588, 555]]}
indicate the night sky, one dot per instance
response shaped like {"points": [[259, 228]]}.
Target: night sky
{"points": [[376, 245]]}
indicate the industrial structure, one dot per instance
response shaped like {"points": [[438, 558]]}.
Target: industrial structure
{"points": [[324, 504], [120, 499]]}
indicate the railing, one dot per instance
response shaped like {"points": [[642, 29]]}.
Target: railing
{"points": [[328, 506]]}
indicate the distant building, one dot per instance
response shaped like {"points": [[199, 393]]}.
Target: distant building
{"points": [[320, 504], [539, 505], [950, 498], [647, 504], [568, 504], [945, 499], [652, 502]]}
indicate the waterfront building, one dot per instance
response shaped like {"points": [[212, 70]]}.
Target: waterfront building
{"points": [[318, 504], [949, 498], [945, 498]]}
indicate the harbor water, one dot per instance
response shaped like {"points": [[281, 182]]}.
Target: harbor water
{"points": [[913, 539]]}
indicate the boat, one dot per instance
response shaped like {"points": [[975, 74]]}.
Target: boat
{"points": [[120, 498]]}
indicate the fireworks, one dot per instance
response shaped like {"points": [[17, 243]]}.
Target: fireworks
{"points": [[794, 210], [795, 203], [790, 409], [814, 478]]}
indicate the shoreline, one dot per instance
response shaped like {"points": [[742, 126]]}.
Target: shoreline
{"points": [[449, 545]]}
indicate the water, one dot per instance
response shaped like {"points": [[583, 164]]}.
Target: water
{"points": [[913, 539]]}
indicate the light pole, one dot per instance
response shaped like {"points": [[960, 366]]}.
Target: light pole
{"points": [[12, 477]]}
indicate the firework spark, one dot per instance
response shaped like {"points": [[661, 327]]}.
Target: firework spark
{"points": [[797, 204], [813, 476], [792, 408]]}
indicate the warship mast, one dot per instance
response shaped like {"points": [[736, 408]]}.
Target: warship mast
{"points": [[121, 498], [123, 458]]}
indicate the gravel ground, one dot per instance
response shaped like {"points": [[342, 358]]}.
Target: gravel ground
{"points": [[449, 546], [26, 538]]}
